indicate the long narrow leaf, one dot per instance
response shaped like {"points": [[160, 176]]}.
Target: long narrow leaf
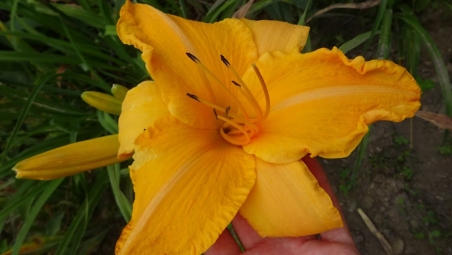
{"points": [[438, 62], [384, 44], [20, 238], [77, 228], [25, 111], [121, 200]]}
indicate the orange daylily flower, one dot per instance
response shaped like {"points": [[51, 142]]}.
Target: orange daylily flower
{"points": [[221, 130]]}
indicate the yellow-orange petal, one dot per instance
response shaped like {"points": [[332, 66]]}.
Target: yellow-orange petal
{"points": [[188, 184], [287, 200], [142, 106], [102, 101], [277, 35], [165, 40], [322, 102], [70, 159]]}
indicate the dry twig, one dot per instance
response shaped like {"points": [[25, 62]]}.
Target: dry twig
{"points": [[363, 5], [386, 246], [241, 13]]}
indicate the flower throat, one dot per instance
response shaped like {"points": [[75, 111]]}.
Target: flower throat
{"points": [[238, 128]]}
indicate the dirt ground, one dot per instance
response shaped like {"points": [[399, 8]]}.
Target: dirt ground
{"points": [[404, 191]]}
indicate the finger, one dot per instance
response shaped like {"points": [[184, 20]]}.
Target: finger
{"points": [[341, 235], [317, 170], [247, 235], [225, 245]]}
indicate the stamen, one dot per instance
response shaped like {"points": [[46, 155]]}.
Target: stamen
{"points": [[204, 77], [227, 111], [206, 70], [192, 57], [193, 97], [230, 138], [242, 84], [225, 61], [215, 113], [223, 110], [264, 88]]}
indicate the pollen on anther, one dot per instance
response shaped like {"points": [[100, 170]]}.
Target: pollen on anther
{"points": [[192, 57], [193, 97], [215, 113], [225, 61], [236, 84], [226, 112]]}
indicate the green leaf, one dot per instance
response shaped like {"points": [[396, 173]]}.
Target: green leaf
{"points": [[438, 62], [384, 44], [36, 208], [121, 200], [355, 42], [25, 111], [111, 30], [74, 234], [107, 122], [426, 84], [377, 22]]}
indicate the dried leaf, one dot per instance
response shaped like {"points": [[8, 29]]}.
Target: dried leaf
{"points": [[440, 120], [363, 5], [241, 13]]}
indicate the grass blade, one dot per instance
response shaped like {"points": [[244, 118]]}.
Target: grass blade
{"points": [[438, 62], [50, 188], [25, 111], [384, 44], [123, 203], [77, 228], [355, 42]]}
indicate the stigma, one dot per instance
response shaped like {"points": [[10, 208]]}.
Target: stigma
{"points": [[237, 127]]}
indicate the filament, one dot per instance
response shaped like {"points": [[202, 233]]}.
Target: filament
{"points": [[264, 88], [242, 84], [229, 138], [223, 110], [206, 70]]}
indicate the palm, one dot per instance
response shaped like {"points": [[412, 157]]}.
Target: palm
{"points": [[337, 241]]}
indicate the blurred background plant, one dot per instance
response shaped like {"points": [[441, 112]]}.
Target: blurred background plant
{"points": [[52, 51]]}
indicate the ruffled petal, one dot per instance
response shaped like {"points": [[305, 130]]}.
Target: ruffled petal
{"points": [[165, 40], [189, 184], [322, 102], [288, 201], [142, 106], [277, 35]]}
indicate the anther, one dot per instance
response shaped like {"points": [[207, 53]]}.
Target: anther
{"points": [[208, 72], [192, 57], [225, 61], [248, 95], [227, 111], [193, 97], [236, 84]]}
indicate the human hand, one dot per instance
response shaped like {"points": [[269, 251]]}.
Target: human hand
{"points": [[337, 241]]}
